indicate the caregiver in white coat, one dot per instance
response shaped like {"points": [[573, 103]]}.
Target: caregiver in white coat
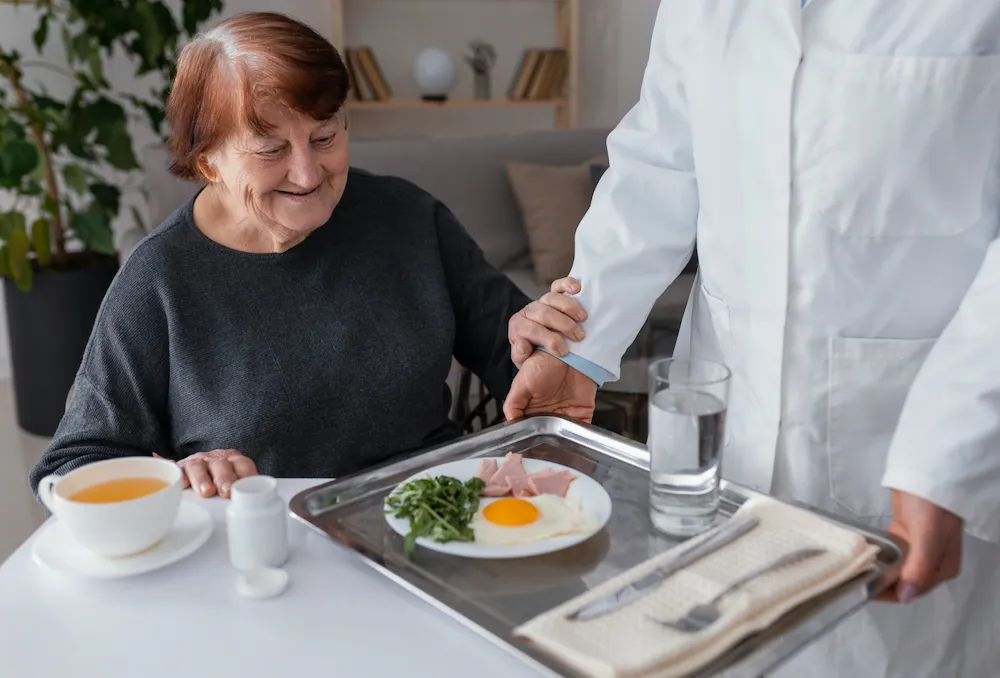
{"points": [[839, 165]]}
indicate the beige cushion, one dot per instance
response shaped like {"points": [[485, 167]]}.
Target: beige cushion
{"points": [[552, 200]]}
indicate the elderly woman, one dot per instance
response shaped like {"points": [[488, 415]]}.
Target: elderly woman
{"points": [[297, 317]]}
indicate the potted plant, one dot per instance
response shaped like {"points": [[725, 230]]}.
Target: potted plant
{"points": [[66, 162]]}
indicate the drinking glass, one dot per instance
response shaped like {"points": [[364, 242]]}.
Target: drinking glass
{"points": [[687, 413]]}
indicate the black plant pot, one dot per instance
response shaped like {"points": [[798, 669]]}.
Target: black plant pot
{"points": [[49, 327]]}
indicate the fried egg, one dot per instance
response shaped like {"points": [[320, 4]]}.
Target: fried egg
{"points": [[512, 521]]}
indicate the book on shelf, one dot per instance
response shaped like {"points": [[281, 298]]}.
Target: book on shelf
{"points": [[541, 75], [368, 83]]}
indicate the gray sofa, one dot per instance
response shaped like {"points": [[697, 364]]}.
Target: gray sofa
{"points": [[468, 175]]}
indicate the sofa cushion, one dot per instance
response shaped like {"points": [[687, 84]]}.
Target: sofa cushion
{"points": [[552, 200]]}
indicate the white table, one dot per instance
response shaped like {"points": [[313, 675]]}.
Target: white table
{"points": [[338, 617]]}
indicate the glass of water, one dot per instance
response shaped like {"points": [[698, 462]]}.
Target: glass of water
{"points": [[687, 413]]}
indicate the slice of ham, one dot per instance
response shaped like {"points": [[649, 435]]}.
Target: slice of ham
{"points": [[496, 491], [510, 479], [520, 486], [550, 482], [511, 466], [487, 467]]}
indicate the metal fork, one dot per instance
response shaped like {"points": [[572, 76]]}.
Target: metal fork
{"points": [[700, 617]]}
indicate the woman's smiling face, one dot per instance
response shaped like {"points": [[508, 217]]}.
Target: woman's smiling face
{"points": [[289, 180]]}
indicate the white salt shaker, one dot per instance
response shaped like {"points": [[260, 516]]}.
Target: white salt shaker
{"points": [[257, 522]]}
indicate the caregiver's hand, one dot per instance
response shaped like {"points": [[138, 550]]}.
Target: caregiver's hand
{"points": [[215, 472], [934, 536], [547, 385], [547, 322]]}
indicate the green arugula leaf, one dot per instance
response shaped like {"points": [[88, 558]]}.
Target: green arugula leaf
{"points": [[439, 508]]}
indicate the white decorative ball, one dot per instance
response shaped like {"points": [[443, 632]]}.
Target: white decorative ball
{"points": [[434, 73]]}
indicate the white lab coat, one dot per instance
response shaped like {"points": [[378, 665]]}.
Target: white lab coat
{"points": [[840, 167]]}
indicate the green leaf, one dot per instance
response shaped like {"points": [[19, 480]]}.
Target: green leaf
{"points": [[10, 222], [32, 188], [41, 33], [155, 112], [83, 45], [94, 229], [108, 197], [195, 12], [10, 58], [68, 46], [151, 37], [78, 148], [86, 83], [97, 67], [40, 241], [119, 144], [17, 252], [5, 262], [17, 159], [12, 129], [76, 178]]}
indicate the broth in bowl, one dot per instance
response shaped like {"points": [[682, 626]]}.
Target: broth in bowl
{"points": [[119, 489]]}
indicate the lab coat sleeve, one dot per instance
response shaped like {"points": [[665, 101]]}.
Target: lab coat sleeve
{"points": [[946, 448], [639, 232]]}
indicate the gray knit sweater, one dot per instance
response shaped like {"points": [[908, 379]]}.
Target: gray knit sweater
{"points": [[316, 362]]}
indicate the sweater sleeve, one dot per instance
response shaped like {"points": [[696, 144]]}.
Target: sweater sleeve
{"points": [[484, 300], [118, 405]]}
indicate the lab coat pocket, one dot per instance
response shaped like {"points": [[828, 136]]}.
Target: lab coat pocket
{"points": [[909, 145], [869, 380]]}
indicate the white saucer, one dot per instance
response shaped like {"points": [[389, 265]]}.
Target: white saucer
{"points": [[55, 548]]}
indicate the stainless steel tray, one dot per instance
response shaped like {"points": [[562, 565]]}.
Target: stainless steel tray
{"points": [[494, 597]]}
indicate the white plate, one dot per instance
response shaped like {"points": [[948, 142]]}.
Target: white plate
{"points": [[592, 496], [56, 548]]}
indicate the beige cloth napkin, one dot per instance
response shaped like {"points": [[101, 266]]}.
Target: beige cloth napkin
{"points": [[627, 643]]}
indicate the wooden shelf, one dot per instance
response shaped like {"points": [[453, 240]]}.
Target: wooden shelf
{"points": [[567, 37], [399, 104]]}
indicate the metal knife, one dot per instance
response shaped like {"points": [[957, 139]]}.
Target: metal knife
{"points": [[632, 592]]}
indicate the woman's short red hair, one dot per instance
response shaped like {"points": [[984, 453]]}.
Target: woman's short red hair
{"points": [[228, 77]]}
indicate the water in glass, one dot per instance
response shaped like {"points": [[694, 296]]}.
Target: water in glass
{"points": [[686, 434]]}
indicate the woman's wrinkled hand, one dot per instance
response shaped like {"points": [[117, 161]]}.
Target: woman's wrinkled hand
{"points": [[214, 472], [547, 322]]}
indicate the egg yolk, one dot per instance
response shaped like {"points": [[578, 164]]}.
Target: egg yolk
{"points": [[511, 512]]}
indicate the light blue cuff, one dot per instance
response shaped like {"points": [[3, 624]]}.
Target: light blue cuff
{"points": [[595, 373]]}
